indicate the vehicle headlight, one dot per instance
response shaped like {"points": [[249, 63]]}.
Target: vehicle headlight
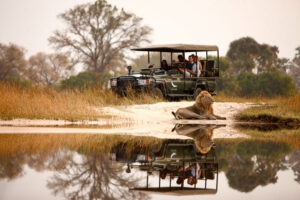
{"points": [[113, 82], [144, 82]]}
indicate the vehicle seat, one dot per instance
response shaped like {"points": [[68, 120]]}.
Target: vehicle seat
{"points": [[210, 68]]}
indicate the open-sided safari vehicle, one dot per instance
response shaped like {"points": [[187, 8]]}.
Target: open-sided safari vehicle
{"points": [[175, 81]]}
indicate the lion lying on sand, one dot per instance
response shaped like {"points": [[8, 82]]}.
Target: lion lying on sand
{"points": [[202, 109]]}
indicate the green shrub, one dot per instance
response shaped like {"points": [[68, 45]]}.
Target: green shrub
{"points": [[267, 84], [85, 80]]}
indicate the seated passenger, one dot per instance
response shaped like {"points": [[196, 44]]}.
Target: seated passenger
{"points": [[199, 65], [164, 65], [180, 58], [190, 67], [150, 66]]}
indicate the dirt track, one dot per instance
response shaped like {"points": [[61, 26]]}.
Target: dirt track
{"points": [[148, 120]]}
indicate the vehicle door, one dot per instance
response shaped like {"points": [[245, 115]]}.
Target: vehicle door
{"points": [[175, 84], [190, 83]]}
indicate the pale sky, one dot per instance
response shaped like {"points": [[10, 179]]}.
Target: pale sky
{"points": [[30, 23]]}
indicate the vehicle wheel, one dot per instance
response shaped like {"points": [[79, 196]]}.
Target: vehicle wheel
{"points": [[157, 93], [197, 92]]}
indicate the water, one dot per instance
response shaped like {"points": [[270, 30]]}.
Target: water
{"points": [[95, 166]]}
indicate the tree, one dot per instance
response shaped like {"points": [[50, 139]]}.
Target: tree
{"points": [[97, 33], [245, 54], [295, 68], [47, 69], [12, 61], [267, 58]]}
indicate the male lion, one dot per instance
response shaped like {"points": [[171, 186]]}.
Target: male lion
{"points": [[202, 109]]}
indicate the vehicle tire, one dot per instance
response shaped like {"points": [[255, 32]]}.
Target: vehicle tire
{"points": [[157, 93], [197, 92]]}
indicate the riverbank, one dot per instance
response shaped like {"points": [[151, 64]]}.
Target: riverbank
{"points": [[280, 110]]}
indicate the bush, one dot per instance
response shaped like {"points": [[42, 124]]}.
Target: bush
{"points": [[16, 81], [268, 84], [85, 80], [227, 84]]}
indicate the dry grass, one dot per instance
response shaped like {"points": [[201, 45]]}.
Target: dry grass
{"points": [[47, 103], [280, 107], [11, 144]]}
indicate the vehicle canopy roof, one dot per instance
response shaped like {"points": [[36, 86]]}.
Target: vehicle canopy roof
{"points": [[177, 48]]}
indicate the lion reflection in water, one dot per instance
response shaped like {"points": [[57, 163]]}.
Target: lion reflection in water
{"points": [[202, 134], [202, 109]]}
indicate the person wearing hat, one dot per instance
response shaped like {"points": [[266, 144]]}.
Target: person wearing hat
{"points": [[150, 66]]}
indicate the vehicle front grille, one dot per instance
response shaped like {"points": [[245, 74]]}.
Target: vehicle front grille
{"points": [[126, 82]]}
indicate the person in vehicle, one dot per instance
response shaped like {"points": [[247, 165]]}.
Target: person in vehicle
{"points": [[191, 67], [164, 65], [181, 59], [198, 64], [150, 66]]}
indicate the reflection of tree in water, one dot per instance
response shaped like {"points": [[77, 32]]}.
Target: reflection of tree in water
{"points": [[251, 163], [293, 160], [246, 174], [92, 177], [54, 160], [11, 166], [76, 176]]}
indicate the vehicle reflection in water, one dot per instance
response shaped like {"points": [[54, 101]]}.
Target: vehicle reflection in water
{"points": [[81, 166], [179, 161]]}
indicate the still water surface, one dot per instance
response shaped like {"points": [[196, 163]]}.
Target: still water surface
{"points": [[86, 166]]}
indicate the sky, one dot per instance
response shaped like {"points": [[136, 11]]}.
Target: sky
{"points": [[29, 23]]}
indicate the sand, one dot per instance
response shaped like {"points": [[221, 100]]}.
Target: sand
{"points": [[144, 120]]}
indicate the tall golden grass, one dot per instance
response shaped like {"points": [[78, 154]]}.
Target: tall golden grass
{"points": [[47, 103], [280, 107]]}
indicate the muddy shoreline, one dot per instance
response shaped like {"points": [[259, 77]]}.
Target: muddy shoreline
{"points": [[269, 120]]}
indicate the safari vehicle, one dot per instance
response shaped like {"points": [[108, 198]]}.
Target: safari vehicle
{"points": [[172, 84]]}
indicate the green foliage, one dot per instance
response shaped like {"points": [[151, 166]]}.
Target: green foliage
{"points": [[247, 84], [268, 84], [227, 84], [245, 54], [16, 81], [85, 80]]}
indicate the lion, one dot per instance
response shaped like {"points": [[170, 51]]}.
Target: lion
{"points": [[202, 134], [202, 109]]}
